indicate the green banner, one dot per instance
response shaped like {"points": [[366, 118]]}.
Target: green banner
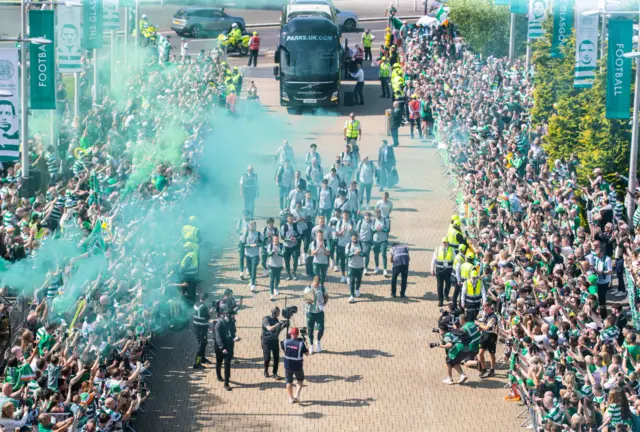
{"points": [[501, 2], [519, 7], [619, 69], [43, 60], [92, 18], [562, 25]]}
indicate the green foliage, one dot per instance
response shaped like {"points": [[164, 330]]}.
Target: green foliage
{"points": [[576, 117], [486, 27]]}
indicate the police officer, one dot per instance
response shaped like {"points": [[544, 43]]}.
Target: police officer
{"points": [[294, 348], [271, 327], [225, 341], [442, 263], [249, 190], [201, 318], [473, 295], [384, 72], [400, 260]]}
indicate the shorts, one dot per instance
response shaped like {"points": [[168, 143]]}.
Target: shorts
{"points": [[462, 355], [471, 355], [298, 374], [488, 342]]}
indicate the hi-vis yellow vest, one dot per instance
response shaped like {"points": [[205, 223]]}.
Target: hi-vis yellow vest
{"points": [[452, 236], [189, 264], [353, 128], [465, 270], [444, 258], [366, 40]]}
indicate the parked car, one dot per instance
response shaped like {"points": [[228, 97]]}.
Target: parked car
{"points": [[347, 20], [202, 21]]}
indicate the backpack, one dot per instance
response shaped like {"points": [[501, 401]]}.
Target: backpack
{"points": [[462, 335]]}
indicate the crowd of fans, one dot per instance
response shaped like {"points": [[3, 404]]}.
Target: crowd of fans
{"points": [[552, 253], [96, 280]]}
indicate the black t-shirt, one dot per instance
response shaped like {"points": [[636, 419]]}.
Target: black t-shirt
{"points": [[269, 336]]}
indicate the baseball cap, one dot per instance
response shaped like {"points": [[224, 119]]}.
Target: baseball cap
{"points": [[294, 332]]}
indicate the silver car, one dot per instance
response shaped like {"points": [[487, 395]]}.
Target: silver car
{"points": [[201, 21], [347, 20]]}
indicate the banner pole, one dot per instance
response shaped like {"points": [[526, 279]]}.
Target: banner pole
{"points": [[603, 37], [24, 114], [113, 58], [52, 128], [76, 94], [512, 37], [633, 155], [126, 33]]}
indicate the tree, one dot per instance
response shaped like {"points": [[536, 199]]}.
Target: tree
{"points": [[485, 27]]}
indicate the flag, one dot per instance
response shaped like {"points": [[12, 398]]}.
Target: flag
{"points": [[562, 25], [43, 70], [537, 15], [619, 69], [164, 46], [396, 23], [442, 15], [110, 15], [68, 49], [9, 106], [92, 17], [586, 44]]}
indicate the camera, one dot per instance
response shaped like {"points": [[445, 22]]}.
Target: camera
{"points": [[289, 311], [303, 331], [434, 344]]}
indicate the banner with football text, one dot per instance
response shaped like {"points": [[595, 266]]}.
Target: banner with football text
{"points": [[92, 17], [619, 69], [9, 106], [537, 15], [562, 25], [110, 14], [586, 44], [68, 47], [519, 7], [43, 62]]}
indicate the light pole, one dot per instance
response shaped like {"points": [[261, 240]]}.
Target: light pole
{"points": [[512, 37], [633, 154]]}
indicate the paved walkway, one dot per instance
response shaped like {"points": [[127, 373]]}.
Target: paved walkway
{"points": [[377, 372]]}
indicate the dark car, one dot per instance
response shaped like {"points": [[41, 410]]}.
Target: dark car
{"points": [[201, 21]]}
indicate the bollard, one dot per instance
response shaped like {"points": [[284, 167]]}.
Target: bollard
{"points": [[387, 122]]}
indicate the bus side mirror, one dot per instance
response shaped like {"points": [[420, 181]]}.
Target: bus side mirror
{"points": [[276, 72], [276, 58]]}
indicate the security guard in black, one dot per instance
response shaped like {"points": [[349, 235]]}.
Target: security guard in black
{"points": [[225, 332], [271, 328], [201, 318]]}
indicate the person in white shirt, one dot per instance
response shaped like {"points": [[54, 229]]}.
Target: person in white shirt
{"points": [[357, 91], [355, 255], [385, 206]]}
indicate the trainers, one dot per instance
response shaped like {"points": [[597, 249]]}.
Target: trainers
{"points": [[236, 339], [335, 268], [289, 277], [357, 293], [276, 292], [348, 279], [384, 273], [265, 273], [311, 349], [253, 288], [295, 277], [376, 271], [296, 399], [198, 366], [463, 379], [266, 374], [291, 400], [447, 381], [491, 373], [484, 374], [276, 377], [364, 273], [343, 279], [272, 297], [351, 299], [241, 275], [318, 347], [227, 388]]}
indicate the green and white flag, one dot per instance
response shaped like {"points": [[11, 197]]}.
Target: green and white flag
{"points": [[68, 48], [562, 25], [396, 23], [9, 106], [586, 44], [442, 15], [537, 15], [619, 69], [164, 46], [110, 15]]}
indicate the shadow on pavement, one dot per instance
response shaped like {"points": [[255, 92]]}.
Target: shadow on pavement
{"points": [[362, 353], [348, 403]]}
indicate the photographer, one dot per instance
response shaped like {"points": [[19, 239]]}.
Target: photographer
{"points": [[454, 354], [271, 327], [294, 348]]}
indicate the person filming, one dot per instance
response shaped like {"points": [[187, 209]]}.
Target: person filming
{"points": [[294, 348], [271, 327]]}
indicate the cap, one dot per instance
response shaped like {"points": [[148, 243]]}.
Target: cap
{"points": [[414, 96], [454, 218], [255, 33], [294, 332], [474, 274], [456, 223], [527, 339], [462, 248], [352, 114], [445, 240]]}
